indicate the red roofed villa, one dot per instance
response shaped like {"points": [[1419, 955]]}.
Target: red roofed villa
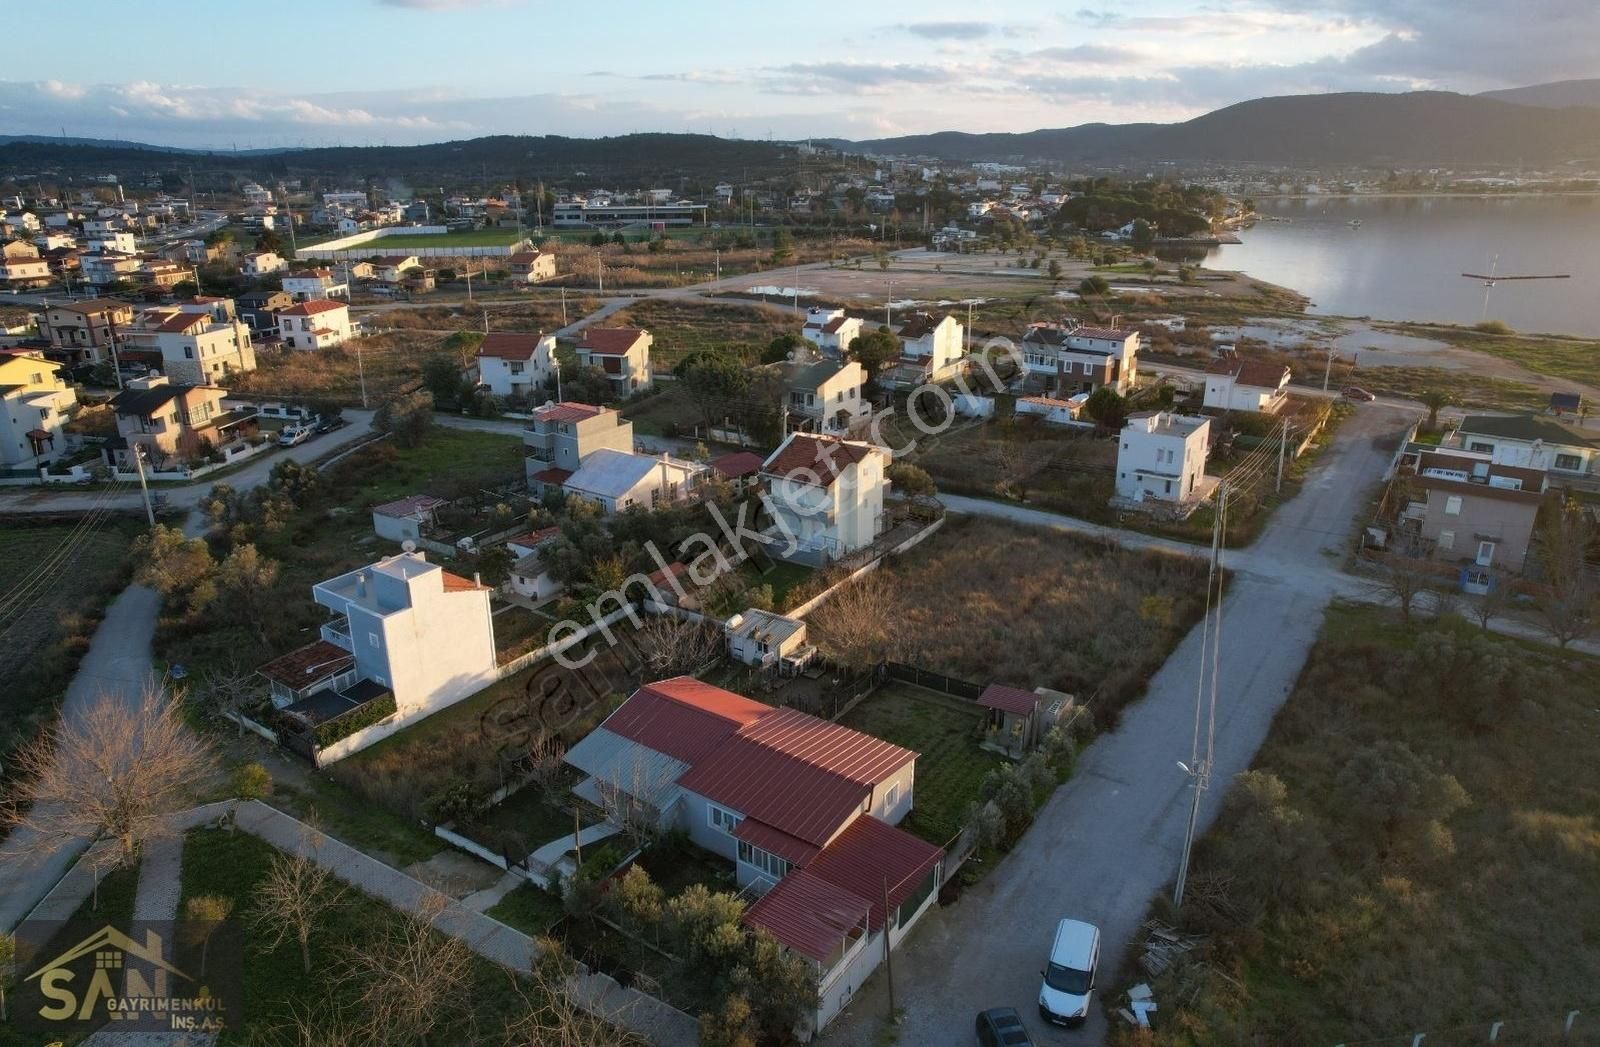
{"points": [[320, 323], [826, 497], [623, 353], [805, 809]]}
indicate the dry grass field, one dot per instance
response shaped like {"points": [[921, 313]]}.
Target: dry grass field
{"points": [[1414, 850], [388, 363], [691, 260], [682, 327], [986, 601]]}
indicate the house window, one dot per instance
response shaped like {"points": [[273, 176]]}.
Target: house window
{"points": [[891, 795], [722, 819], [770, 864], [372, 639], [1452, 505], [1480, 447], [1570, 462], [1447, 541]]}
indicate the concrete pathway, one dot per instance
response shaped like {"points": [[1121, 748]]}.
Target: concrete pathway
{"points": [[597, 993], [160, 880], [489, 897]]}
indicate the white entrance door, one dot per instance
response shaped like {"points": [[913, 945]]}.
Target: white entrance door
{"points": [[1485, 554]]}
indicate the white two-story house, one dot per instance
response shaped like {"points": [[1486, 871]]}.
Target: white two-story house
{"points": [[825, 496], [34, 404], [830, 329], [308, 284], [622, 353], [935, 342], [1565, 451], [317, 324], [1161, 456], [405, 633], [825, 396], [519, 365]]}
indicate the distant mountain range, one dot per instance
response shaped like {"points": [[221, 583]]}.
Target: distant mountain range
{"points": [[1542, 126], [1327, 130], [1562, 94]]}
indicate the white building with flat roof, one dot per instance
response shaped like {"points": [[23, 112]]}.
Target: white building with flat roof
{"points": [[1161, 456]]}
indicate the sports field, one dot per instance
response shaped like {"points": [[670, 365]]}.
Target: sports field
{"points": [[465, 238]]}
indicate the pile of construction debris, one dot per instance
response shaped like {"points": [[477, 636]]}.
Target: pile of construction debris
{"points": [[1164, 950]]}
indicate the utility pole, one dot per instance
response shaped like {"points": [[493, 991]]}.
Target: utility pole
{"points": [[361, 372], [1199, 769], [144, 488], [600, 272], [1328, 370], [967, 351], [468, 268], [563, 307], [888, 298], [718, 252], [888, 953], [111, 331], [1283, 444]]}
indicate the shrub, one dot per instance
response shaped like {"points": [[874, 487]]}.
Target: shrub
{"points": [[252, 782], [325, 734]]}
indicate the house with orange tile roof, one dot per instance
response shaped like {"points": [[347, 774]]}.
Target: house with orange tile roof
{"points": [[514, 364], [807, 811], [622, 353], [320, 323], [825, 496], [406, 639]]}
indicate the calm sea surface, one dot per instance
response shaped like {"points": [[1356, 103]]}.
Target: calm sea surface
{"points": [[1405, 259]]}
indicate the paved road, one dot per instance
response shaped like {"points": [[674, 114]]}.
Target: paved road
{"points": [[1110, 838], [187, 496]]}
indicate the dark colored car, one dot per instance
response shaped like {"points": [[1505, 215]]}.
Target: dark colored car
{"points": [[1002, 1027], [1355, 392], [328, 425]]}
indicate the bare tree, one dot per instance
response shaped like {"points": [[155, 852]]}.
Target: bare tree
{"points": [[1494, 603], [1570, 603], [1404, 575], [409, 979], [117, 771], [227, 691], [852, 626], [290, 900], [626, 797], [549, 1013], [672, 646]]}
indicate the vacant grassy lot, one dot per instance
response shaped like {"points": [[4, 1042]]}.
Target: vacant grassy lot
{"points": [[1414, 850], [1072, 471], [48, 619], [1559, 356], [276, 986], [684, 327], [479, 740], [386, 363], [686, 258], [540, 311], [990, 601], [1464, 388], [945, 732]]}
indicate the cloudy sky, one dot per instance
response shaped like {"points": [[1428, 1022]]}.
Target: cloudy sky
{"points": [[355, 72]]}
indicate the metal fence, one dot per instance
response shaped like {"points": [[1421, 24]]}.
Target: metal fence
{"points": [[932, 681]]}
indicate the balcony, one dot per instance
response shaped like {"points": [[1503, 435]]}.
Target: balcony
{"points": [[337, 632]]}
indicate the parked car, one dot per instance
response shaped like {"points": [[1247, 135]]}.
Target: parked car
{"points": [[328, 425], [1069, 976], [290, 435], [1002, 1027], [1355, 392]]}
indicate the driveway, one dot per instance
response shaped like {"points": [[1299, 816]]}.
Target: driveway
{"points": [[1111, 838]]}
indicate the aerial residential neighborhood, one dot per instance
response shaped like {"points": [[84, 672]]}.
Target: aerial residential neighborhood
{"points": [[579, 529]]}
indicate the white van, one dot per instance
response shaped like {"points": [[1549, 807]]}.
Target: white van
{"points": [[1069, 977]]}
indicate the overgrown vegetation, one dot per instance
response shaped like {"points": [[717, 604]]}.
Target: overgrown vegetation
{"points": [[990, 601], [1414, 849]]}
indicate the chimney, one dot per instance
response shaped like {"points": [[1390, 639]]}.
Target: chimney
{"points": [[477, 579], [361, 583]]}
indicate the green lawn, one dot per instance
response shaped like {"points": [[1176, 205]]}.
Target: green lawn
{"points": [[950, 765], [366, 827], [232, 864], [783, 577], [401, 245], [528, 909]]}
